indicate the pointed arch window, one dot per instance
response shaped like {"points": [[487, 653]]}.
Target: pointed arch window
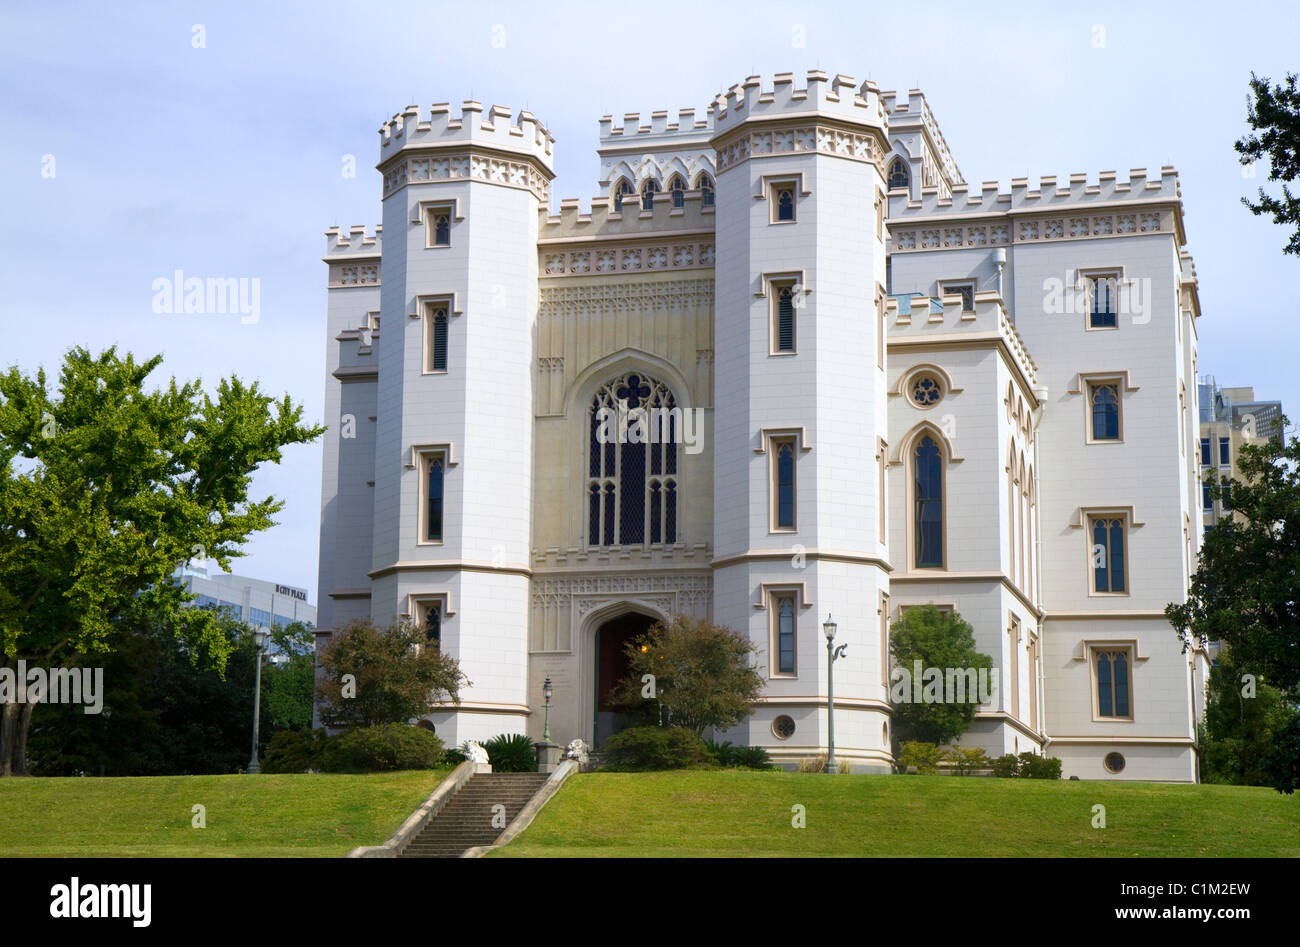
{"points": [[785, 634], [648, 191], [633, 481], [433, 473], [1108, 559], [927, 499], [899, 176], [442, 230], [1105, 411], [1114, 692], [705, 185], [677, 187], [621, 190]]}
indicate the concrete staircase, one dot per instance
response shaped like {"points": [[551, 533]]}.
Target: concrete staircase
{"points": [[467, 818]]}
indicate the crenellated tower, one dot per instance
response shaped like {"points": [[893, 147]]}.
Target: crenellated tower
{"points": [[454, 439], [800, 403]]}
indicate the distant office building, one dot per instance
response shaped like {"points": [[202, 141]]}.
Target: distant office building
{"points": [[255, 601], [1229, 418]]}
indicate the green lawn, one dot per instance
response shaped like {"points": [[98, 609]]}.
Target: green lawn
{"points": [[748, 814], [324, 815]]}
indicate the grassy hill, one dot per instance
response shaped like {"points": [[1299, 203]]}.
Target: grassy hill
{"points": [[748, 814], [324, 815]]}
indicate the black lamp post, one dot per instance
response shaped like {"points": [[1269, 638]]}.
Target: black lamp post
{"points": [[833, 654], [547, 690], [260, 637]]}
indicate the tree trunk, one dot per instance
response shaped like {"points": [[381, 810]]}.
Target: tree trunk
{"points": [[8, 735], [20, 738]]}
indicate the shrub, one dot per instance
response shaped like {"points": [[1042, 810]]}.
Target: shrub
{"points": [[704, 676], [1027, 766], [388, 746], [966, 760], [724, 753], [1033, 766], [454, 756], [924, 756], [650, 748], [511, 753], [294, 751], [750, 757]]}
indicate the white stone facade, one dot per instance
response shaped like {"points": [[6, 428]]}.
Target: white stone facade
{"points": [[821, 335]]}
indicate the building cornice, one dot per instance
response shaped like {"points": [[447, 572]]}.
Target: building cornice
{"points": [[450, 565]]}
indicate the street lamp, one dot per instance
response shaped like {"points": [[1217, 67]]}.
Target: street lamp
{"points": [[833, 654], [259, 636], [547, 691]]}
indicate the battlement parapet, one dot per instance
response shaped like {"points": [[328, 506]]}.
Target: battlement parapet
{"points": [[635, 134], [990, 199], [916, 318], [601, 220], [838, 97], [910, 110], [525, 135], [355, 243], [1081, 210]]}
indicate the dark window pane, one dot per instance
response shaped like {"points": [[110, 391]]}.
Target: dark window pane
{"points": [[785, 320], [435, 501], [785, 636], [656, 512], [785, 486], [440, 341], [1225, 451], [1205, 452], [670, 512], [1121, 684], [593, 515], [785, 204], [609, 514], [928, 498], [442, 230], [1117, 556], [1100, 575], [1105, 691]]}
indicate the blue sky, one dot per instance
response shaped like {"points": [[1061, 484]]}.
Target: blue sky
{"points": [[225, 159]]}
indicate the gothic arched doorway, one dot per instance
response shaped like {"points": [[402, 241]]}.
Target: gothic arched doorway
{"points": [[612, 666]]}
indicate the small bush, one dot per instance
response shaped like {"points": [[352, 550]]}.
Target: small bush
{"points": [[650, 748], [389, 746], [294, 751], [1027, 766], [966, 760], [723, 753], [1006, 766], [454, 756], [511, 753], [1033, 766], [751, 757], [924, 756]]}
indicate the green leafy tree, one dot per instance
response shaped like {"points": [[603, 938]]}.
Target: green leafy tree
{"points": [[703, 675], [1274, 117], [937, 639], [166, 710], [105, 488], [395, 675], [288, 685], [1246, 589], [1242, 717]]}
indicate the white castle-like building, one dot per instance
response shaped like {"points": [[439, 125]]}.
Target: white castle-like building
{"points": [[882, 388]]}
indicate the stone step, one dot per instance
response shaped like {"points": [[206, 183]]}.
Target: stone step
{"points": [[467, 818]]}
